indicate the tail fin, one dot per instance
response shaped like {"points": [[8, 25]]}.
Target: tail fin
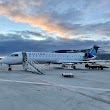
{"points": [[92, 54], [94, 50]]}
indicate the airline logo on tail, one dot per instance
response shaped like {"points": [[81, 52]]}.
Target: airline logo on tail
{"points": [[92, 54], [94, 50]]}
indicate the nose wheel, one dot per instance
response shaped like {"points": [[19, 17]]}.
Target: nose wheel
{"points": [[9, 68]]}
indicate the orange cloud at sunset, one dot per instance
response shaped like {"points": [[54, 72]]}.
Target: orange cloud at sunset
{"points": [[63, 20], [37, 20]]}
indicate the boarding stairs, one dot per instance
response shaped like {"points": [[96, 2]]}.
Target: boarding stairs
{"points": [[33, 66]]}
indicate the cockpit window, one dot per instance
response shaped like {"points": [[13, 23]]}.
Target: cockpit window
{"points": [[14, 55]]}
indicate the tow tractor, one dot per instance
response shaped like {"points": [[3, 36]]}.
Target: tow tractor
{"points": [[95, 66]]}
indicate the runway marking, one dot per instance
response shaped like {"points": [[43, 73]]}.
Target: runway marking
{"points": [[53, 84], [80, 87], [24, 82]]}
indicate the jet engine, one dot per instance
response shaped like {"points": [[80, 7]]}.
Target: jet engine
{"points": [[88, 55]]}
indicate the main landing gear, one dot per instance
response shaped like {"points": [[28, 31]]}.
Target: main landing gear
{"points": [[9, 68], [68, 66], [74, 67]]}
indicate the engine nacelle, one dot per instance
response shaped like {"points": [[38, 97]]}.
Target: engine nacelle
{"points": [[88, 55]]}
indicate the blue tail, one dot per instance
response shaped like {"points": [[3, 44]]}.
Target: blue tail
{"points": [[94, 50], [92, 54]]}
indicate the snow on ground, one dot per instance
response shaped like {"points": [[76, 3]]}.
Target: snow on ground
{"points": [[88, 90]]}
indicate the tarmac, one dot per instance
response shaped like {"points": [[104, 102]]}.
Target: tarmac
{"points": [[87, 90]]}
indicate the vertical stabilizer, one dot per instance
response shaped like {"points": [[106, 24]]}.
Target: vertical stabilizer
{"points": [[93, 53], [94, 50]]}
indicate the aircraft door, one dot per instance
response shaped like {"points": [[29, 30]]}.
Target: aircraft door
{"points": [[24, 56]]}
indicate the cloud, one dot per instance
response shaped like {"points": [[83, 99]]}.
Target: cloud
{"points": [[65, 19], [39, 15], [15, 43], [31, 35], [10, 37], [98, 29], [22, 35]]}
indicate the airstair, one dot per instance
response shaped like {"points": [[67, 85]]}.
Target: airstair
{"points": [[33, 66]]}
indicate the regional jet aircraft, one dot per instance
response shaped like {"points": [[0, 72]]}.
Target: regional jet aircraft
{"points": [[49, 57]]}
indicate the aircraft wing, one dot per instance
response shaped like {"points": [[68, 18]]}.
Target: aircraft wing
{"points": [[85, 61], [101, 60], [75, 61]]}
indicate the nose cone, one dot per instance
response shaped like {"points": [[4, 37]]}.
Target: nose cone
{"points": [[2, 61]]}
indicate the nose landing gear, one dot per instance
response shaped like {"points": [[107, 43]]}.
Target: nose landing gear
{"points": [[9, 68]]}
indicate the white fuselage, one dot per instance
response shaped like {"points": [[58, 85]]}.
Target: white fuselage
{"points": [[43, 57], [48, 57]]}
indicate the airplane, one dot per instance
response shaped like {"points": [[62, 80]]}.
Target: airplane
{"points": [[50, 57]]}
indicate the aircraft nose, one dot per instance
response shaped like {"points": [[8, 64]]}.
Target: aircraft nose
{"points": [[2, 61]]}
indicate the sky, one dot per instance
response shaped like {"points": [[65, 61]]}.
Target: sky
{"points": [[49, 25]]}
